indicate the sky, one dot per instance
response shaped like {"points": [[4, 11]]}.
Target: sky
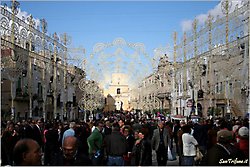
{"points": [[88, 23]]}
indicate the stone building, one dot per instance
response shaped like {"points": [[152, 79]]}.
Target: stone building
{"points": [[153, 94], [118, 93]]}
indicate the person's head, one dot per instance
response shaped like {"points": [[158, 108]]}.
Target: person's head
{"points": [[72, 125], [40, 123], [126, 131], [115, 127], [121, 122], [186, 129], [160, 124], [182, 123], [100, 125], [10, 127], [140, 135], [145, 132], [27, 152], [108, 124], [70, 147], [243, 132], [136, 134], [224, 136]]}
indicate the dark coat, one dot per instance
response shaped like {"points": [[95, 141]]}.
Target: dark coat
{"points": [[200, 134], [135, 160], [51, 146], [38, 136], [145, 153], [79, 160], [217, 156], [115, 144], [130, 142]]}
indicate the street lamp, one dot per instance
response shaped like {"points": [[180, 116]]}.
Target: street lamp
{"points": [[14, 56], [44, 30], [55, 60]]}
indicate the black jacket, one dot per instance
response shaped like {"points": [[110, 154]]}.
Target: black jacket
{"points": [[219, 156], [145, 153], [79, 160], [115, 144]]}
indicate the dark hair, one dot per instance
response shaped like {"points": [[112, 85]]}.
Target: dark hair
{"points": [[20, 148], [99, 122], [145, 131], [115, 127], [186, 129]]}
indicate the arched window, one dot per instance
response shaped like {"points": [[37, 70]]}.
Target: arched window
{"points": [[118, 91]]}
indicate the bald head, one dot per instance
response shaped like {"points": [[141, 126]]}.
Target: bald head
{"points": [[70, 140], [27, 152], [70, 146]]}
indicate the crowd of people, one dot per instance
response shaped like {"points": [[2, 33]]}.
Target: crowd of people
{"points": [[123, 140]]}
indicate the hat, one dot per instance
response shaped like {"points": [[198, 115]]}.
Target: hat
{"points": [[235, 127], [243, 132], [224, 135]]}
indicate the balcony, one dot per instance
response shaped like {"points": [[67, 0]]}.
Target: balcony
{"points": [[220, 96], [21, 95]]}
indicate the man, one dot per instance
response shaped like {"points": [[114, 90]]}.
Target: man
{"points": [[70, 155], [38, 132], [243, 142], [107, 128], [115, 146], [95, 141], [27, 152], [223, 153], [189, 146], [70, 131], [180, 143], [160, 143], [122, 125]]}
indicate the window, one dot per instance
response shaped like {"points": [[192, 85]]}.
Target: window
{"points": [[118, 91], [231, 88], [217, 88], [221, 87], [40, 90]]}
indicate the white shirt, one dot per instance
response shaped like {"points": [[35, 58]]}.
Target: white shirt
{"points": [[189, 143]]}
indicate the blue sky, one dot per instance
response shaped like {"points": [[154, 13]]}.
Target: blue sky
{"points": [[149, 22], [89, 22]]}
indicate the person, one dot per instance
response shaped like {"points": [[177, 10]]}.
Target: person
{"points": [[160, 143], [9, 139], [222, 153], [180, 143], [70, 156], [135, 156], [37, 128], [115, 146], [189, 146], [122, 125], [107, 128], [145, 153], [243, 142], [70, 131], [95, 141], [27, 152], [127, 132], [176, 128], [51, 146]]}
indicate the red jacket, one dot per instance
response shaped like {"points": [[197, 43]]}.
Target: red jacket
{"points": [[243, 145]]}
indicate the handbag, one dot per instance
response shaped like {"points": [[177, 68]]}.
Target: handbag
{"points": [[199, 155]]}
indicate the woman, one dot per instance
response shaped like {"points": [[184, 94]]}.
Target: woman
{"points": [[146, 149], [189, 146], [135, 157]]}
